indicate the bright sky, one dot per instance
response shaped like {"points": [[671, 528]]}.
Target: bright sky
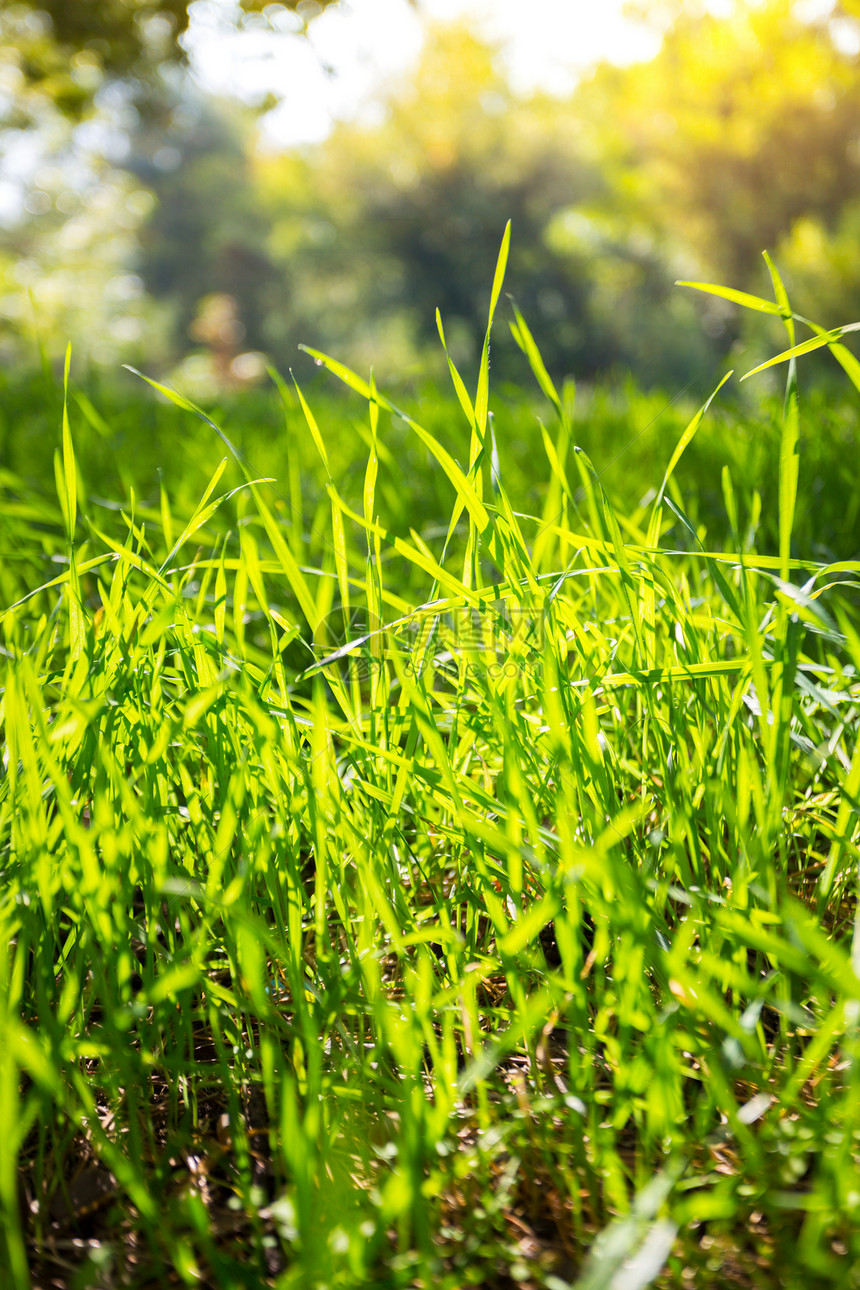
{"points": [[356, 47]]}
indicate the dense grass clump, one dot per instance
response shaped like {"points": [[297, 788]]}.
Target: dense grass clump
{"points": [[397, 904]]}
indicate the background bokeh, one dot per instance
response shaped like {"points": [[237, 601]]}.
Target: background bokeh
{"points": [[150, 221]]}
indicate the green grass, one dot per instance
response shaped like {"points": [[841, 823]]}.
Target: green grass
{"points": [[513, 944]]}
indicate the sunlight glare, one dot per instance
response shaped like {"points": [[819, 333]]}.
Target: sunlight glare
{"points": [[355, 49]]}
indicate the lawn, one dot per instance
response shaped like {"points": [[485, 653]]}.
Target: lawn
{"points": [[398, 898]]}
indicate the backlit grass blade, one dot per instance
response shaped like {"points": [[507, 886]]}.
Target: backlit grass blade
{"points": [[411, 552], [338, 537], [373, 562], [477, 445], [805, 347], [843, 356], [70, 474], [186, 404], [680, 448], [844, 830], [483, 391], [312, 426], [458, 382], [631, 591], [283, 554], [287, 561], [789, 461], [465, 490], [656, 675], [526, 342], [372, 469], [173, 395], [757, 303], [67, 485], [201, 514], [654, 523]]}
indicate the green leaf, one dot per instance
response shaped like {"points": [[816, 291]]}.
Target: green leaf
{"points": [[463, 486], [805, 347], [758, 303], [680, 448], [526, 342], [312, 426], [789, 461], [459, 385], [69, 466], [483, 392]]}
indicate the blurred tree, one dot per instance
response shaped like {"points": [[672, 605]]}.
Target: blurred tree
{"points": [[741, 134], [207, 232], [93, 107], [742, 124], [822, 268], [70, 274], [391, 220], [65, 50]]}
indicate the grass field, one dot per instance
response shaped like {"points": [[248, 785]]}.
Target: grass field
{"points": [[397, 899]]}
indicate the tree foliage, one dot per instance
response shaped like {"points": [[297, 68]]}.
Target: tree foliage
{"points": [[740, 135], [65, 49], [395, 219], [186, 256], [742, 125]]}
